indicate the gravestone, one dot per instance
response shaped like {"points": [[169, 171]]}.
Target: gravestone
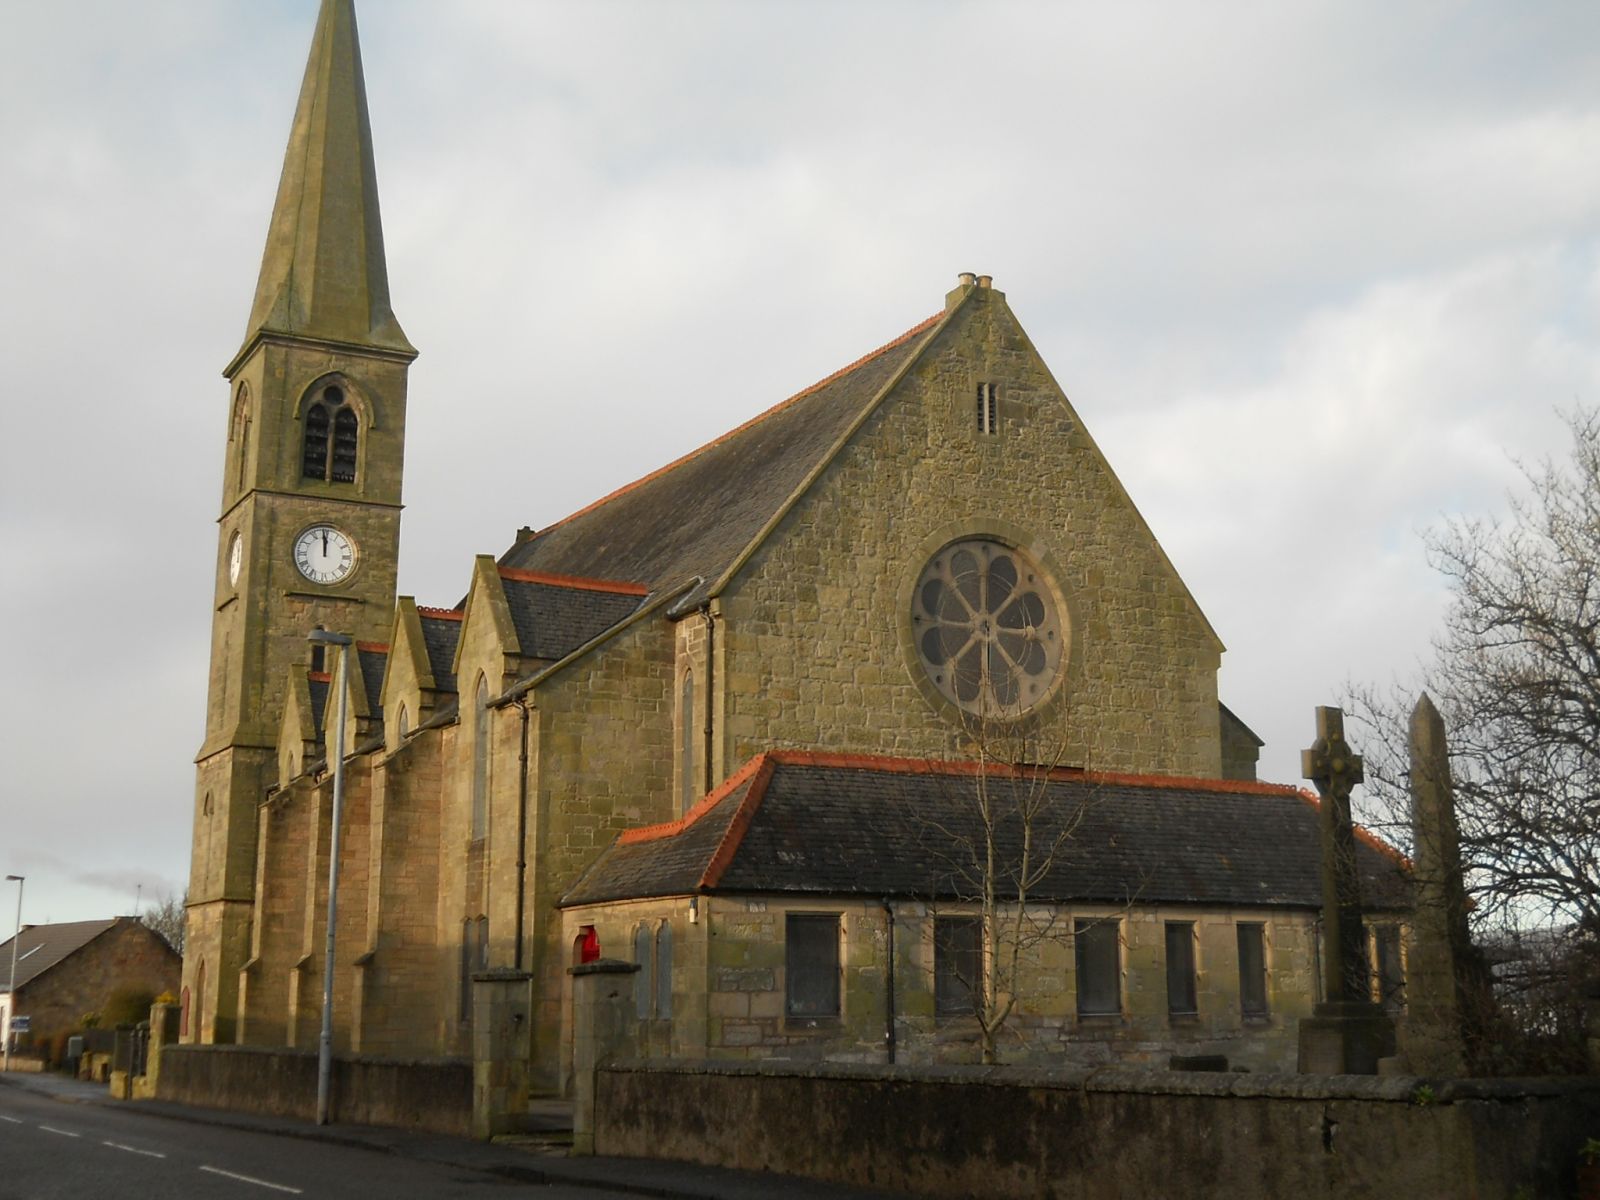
{"points": [[1347, 1033]]}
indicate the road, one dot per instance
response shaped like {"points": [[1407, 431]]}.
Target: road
{"points": [[51, 1149]]}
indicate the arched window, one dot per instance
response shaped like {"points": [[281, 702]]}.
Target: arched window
{"points": [[239, 434], [663, 971], [690, 787], [200, 1002], [403, 722], [332, 438], [465, 981], [480, 759], [641, 955]]}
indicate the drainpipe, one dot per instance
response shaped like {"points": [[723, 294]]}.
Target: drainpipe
{"points": [[522, 828], [707, 768], [888, 1005]]}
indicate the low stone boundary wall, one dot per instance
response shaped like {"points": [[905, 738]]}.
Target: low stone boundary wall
{"points": [[1113, 1131], [432, 1094]]}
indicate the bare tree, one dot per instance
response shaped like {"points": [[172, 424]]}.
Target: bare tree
{"points": [[1516, 675], [166, 917], [999, 837]]}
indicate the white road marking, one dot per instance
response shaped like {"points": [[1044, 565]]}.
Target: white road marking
{"points": [[133, 1150], [13, 1120], [62, 1132], [277, 1187]]}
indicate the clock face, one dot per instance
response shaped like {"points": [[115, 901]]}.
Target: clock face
{"points": [[235, 557], [324, 554]]}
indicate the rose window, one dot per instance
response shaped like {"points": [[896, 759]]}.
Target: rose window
{"points": [[987, 628]]}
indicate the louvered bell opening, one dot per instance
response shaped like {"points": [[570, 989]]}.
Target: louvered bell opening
{"points": [[346, 439], [314, 462]]}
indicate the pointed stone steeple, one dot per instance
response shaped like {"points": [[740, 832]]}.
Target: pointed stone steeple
{"points": [[323, 275]]}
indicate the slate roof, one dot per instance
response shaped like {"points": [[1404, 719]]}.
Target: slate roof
{"points": [[555, 614], [320, 684], [374, 661], [695, 516], [837, 825], [440, 633], [40, 947]]}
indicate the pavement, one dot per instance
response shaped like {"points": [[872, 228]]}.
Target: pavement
{"points": [[534, 1159]]}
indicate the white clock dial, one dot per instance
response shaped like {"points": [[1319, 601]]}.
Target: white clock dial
{"points": [[324, 554], [235, 558]]}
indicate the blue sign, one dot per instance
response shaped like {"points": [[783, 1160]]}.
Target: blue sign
{"points": [[19, 1024]]}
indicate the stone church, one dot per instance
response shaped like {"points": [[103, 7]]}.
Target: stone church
{"points": [[735, 722]]}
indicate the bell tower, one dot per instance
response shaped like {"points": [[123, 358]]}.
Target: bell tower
{"points": [[309, 533]]}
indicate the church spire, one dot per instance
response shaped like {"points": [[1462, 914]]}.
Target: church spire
{"points": [[323, 273]]}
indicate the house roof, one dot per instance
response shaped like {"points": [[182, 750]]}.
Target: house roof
{"points": [[441, 630], [826, 824], [555, 614], [40, 947], [696, 516]]}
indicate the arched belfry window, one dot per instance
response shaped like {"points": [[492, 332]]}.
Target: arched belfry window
{"points": [[480, 759], [240, 433], [332, 437]]}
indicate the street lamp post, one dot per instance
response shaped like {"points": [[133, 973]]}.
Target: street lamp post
{"points": [[325, 1045], [11, 990]]}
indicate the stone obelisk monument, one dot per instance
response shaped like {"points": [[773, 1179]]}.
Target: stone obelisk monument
{"points": [[1439, 948], [1347, 1033]]}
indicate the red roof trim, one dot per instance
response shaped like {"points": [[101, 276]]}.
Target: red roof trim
{"points": [[1362, 832], [666, 829], [920, 328], [373, 647], [934, 766], [740, 825], [576, 582], [441, 614], [319, 677], [764, 762]]}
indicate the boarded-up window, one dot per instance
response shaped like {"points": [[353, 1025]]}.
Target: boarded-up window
{"points": [[1099, 967], [1252, 969], [811, 962], [957, 965], [1181, 991], [664, 971], [641, 955]]}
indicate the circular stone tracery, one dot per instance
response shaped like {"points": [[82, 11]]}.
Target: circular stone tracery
{"points": [[986, 628]]}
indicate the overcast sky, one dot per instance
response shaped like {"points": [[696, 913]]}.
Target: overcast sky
{"points": [[1314, 275]]}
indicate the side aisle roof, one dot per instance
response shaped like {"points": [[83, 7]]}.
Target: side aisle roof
{"points": [[827, 824]]}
